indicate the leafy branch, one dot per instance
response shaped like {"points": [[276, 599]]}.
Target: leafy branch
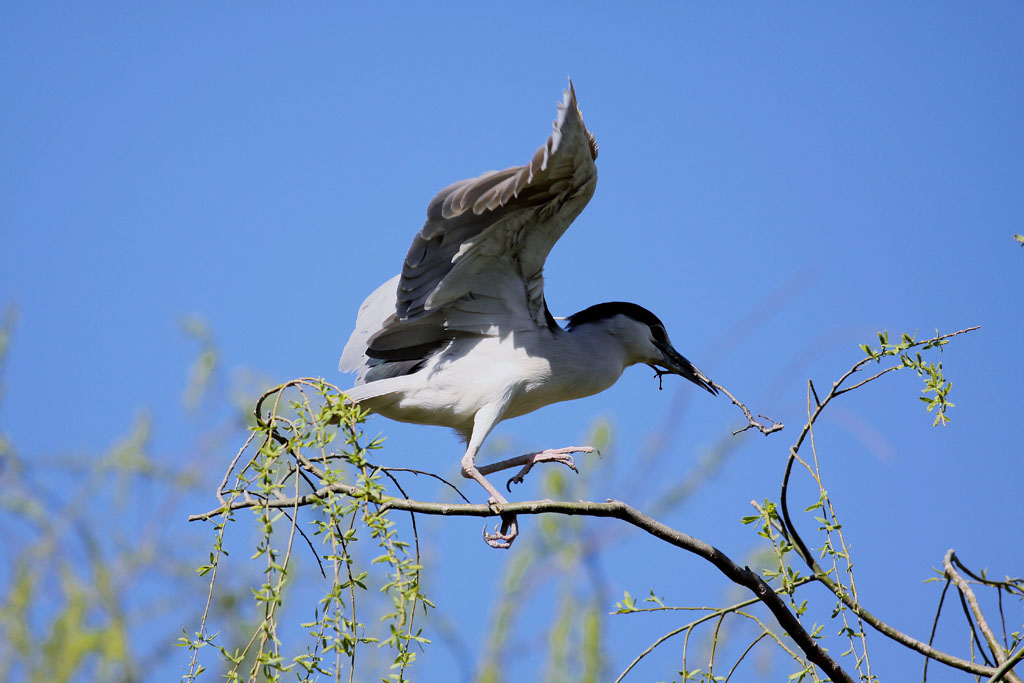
{"points": [[900, 356], [290, 449], [934, 382], [628, 605], [743, 576]]}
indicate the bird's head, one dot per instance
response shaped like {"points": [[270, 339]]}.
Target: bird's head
{"points": [[642, 335]]}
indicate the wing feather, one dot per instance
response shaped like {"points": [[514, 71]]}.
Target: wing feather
{"points": [[476, 266], [504, 220], [375, 314]]}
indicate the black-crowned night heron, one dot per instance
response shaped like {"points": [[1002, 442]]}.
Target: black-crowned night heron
{"points": [[463, 338]]}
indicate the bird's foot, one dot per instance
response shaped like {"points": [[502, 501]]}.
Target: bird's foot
{"points": [[561, 455], [505, 532]]}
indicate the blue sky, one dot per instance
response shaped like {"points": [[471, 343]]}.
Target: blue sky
{"points": [[776, 183]]}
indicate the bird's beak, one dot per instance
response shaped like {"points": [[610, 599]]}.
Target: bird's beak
{"points": [[675, 363]]}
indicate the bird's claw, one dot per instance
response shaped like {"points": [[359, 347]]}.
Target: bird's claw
{"points": [[504, 533], [508, 529], [560, 455]]}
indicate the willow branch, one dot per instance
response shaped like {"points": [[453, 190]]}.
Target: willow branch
{"points": [[712, 612], [300, 501], [793, 536], [743, 576]]}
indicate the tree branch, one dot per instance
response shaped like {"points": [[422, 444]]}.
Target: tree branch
{"points": [[1012, 661], [751, 422], [793, 536], [972, 600], [743, 576]]}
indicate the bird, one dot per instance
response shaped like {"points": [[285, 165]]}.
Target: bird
{"points": [[463, 337]]}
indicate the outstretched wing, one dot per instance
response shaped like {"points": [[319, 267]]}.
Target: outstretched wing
{"points": [[489, 236], [476, 266]]}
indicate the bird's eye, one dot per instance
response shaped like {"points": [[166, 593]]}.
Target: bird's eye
{"points": [[658, 333]]}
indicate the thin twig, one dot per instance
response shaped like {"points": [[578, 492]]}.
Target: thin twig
{"points": [[1002, 617], [826, 506], [441, 479], [714, 647], [872, 378], [975, 640], [416, 542], [309, 544], [935, 626], [650, 648], [751, 422], [1012, 585], [300, 501], [743, 655]]}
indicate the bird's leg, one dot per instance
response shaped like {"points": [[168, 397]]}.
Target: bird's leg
{"points": [[509, 527], [562, 455]]}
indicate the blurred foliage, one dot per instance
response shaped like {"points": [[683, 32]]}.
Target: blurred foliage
{"points": [[93, 550], [206, 361]]}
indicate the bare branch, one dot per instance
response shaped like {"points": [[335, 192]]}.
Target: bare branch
{"points": [[972, 600], [743, 655], [975, 640], [295, 501], [858, 385], [1010, 662], [441, 479], [935, 626], [1011, 585], [751, 422]]}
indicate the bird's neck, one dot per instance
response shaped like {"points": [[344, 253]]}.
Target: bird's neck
{"points": [[590, 360]]}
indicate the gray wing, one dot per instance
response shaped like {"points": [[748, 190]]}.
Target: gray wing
{"points": [[476, 266], [488, 235]]}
